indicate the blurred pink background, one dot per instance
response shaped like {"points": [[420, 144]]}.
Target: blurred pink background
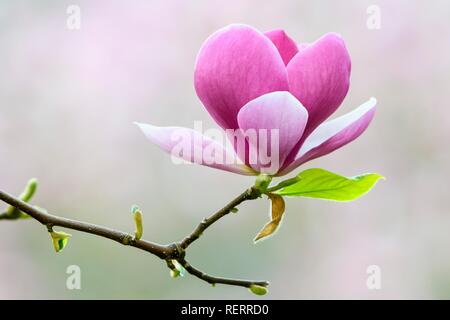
{"points": [[67, 102]]}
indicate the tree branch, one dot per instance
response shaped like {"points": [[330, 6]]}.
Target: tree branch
{"points": [[213, 280], [174, 251], [54, 221], [250, 194]]}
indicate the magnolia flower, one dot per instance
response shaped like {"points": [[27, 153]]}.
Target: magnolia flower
{"points": [[265, 81]]}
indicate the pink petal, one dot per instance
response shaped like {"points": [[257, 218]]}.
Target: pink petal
{"points": [[285, 45], [234, 66], [194, 147], [319, 77], [334, 134], [277, 110]]}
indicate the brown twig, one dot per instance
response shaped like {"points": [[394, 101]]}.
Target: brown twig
{"points": [[174, 251], [249, 194]]}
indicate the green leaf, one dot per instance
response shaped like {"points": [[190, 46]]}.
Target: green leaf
{"points": [[30, 190], [59, 239], [277, 210], [323, 184], [137, 216], [284, 184], [27, 194], [258, 290], [178, 270]]}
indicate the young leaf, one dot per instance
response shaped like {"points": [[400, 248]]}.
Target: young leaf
{"points": [[277, 211], [323, 184], [258, 290], [178, 270], [26, 196], [137, 215], [59, 239], [30, 190]]}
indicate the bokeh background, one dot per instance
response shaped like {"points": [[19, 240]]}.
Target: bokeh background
{"points": [[67, 102]]}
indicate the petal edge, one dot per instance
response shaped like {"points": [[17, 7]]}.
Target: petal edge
{"points": [[334, 134], [190, 145], [235, 65], [319, 76], [279, 120]]}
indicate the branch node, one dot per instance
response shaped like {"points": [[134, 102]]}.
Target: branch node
{"points": [[128, 240], [176, 252], [253, 193]]}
